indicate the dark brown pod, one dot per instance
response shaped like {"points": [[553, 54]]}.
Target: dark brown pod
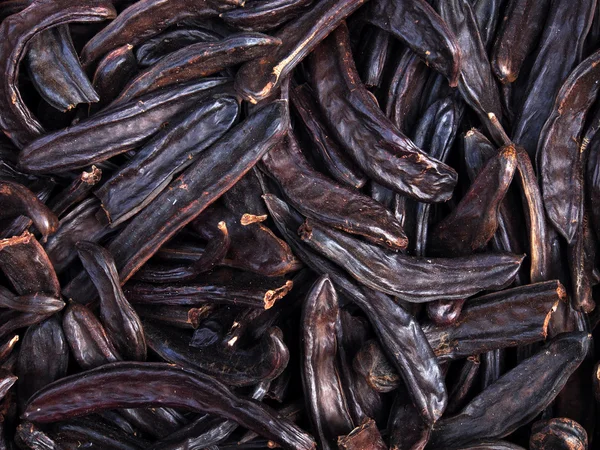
{"points": [[203, 182], [326, 404], [29, 436], [30, 303], [26, 265], [199, 60], [16, 31], [357, 122], [473, 222], [81, 224], [55, 70], [476, 82], [7, 380], [564, 34], [264, 15], [488, 14], [410, 278], [561, 156], [115, 130], [462, 388], [155, 165], [43, 358], [258, 79], [558, 434], [518, 34], [76, 192], [398, 332], [371, 363], [155, 384], [328, 202], [485, 322], [517, 397], [406, 429], [582, 257], [90, 345], [445, 312], [17, 201], [232, 366], [156, 48], [7, 347], [120, 320], [240, 290], [112, 74], [147, 18], [364, 437], [417, 24], [329, 152]]}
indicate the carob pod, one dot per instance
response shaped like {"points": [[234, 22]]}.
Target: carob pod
{"points": [[264, 15], [258, 79], [561, 158], [156, 48], [220, 167], [76, 192], [506, 318], [339, 165], [16, 32], [17, 200], [325, 400], [410, 278], [7, 347], [158, 384], [112, 74], [517, 36], [558, 434], [199, 60], [7, 380], [43, 358], [147, 18], [398, 331], [488, 13], [113, 131], [89, 342], [374, 50], [371, 363], [476, 82], [358, 123], [330, 203], [474, 221], [81, 224], [122, 323], [564, 34], [154, 165], [30, 303], [462, 388], [364, 437], [252, 291], [417, 24], [26, 265], [206, 430], [234, 367], [495, 412], [55, 70], [406, 429]]}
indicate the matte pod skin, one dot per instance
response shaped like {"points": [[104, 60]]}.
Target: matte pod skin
{"points": [[126, 385], [325, 400], [358, 124], [16, 31]]}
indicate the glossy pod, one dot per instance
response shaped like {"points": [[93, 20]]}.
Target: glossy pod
{"points": [[392, 160], [112, 74], [559, 434], [56, 72], [16, 31], [410, 278], [111, 132], [258, 79], [495, 412], [263, 15], [156, 384]]}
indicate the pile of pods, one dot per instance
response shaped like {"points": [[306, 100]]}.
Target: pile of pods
{"points": [[307, 224]]}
